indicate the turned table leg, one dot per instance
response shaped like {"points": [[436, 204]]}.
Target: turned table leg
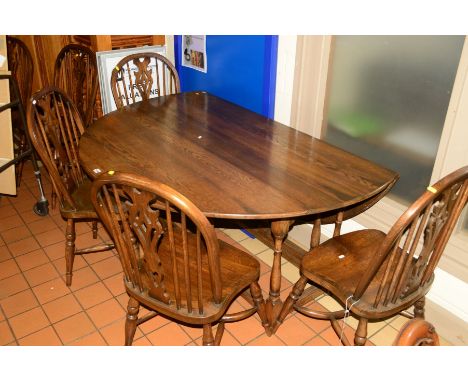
{"points": [[279, 230]]}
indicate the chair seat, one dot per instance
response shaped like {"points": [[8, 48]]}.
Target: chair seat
{"points": [[237, 268], [338, 264], [84, 207]]}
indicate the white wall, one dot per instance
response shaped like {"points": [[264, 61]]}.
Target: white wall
{"points": [[170, 48], [285, 78]]}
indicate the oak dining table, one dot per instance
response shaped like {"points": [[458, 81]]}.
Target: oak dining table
{"points": [[234, 164]]}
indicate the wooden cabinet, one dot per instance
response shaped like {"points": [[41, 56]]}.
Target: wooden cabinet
{"points": [[102, 42]]}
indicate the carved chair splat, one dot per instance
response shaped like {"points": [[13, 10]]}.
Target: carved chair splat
{"points": [[75, 72], [154, 75], [377, 275], [55, 128], [173, 262]]}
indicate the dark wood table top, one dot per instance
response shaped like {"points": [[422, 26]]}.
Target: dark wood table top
{"points": [[231, 162]]}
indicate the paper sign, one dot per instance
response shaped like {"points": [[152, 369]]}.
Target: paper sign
{"points": [[194, 52], [108, 60]]}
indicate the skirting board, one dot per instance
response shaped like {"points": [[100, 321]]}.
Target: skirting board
{"points": [[448, 292]]}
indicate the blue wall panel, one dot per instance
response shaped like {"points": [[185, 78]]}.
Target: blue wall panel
{"points": [[241, 69]]}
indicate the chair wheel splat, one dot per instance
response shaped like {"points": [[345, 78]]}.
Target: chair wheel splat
{"points": [[55, 127], [153, 75], [173, 262], [385, 273]]}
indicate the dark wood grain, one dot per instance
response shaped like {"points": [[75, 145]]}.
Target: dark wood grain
{"points": [[173, 262], [235, 164], [76, 73], [55, 127], [232, 163], [153, 76]]}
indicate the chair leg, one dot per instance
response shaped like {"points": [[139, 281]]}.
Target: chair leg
{"points": [[69, 250], [20, 165], [419, 308], [259, 303], [19, 174], [53, 199], [208, 339], [133, 308], [360, 337], [19, 171], [296, 292], [219, 334], [95, 229]]}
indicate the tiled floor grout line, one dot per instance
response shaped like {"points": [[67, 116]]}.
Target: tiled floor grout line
{"points": [[86, 313], [92, 322], [71, 292], [260, 335], [37, 300], [7, 321], [51, 325], [144, 334], [39, 305], [42, 309], [185, 331], [317, 334], [89, 265], [85, 310], [30, 288], [95, 271]]}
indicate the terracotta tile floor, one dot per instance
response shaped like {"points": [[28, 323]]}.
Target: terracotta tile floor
{"points": [[37, 308]]}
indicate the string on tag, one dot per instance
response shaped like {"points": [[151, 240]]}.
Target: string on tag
{"points": [[346, 315]]}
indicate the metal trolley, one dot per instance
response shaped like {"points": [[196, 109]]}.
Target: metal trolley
{"points": [[42, 206]]}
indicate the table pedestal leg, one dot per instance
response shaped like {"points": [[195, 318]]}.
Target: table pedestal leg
{"points": [[279, 230]]}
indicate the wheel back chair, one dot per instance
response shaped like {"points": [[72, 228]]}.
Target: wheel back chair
{"points": [[55, 128], [173, 263], [20, 64], [142, 76], [376, 275], [75, 72], [417, 332]]}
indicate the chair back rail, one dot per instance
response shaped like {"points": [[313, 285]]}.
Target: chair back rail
{"points": [[55, 128], [152, 75], [154, 227], [75, 72], [406, 259]]}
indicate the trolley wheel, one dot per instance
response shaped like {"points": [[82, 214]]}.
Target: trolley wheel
{"points": [[41, 208]]}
